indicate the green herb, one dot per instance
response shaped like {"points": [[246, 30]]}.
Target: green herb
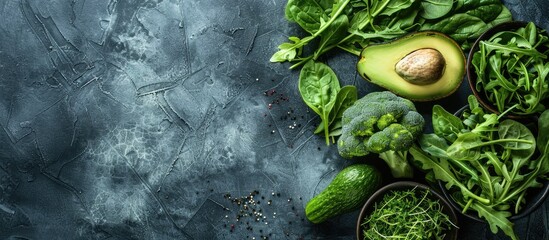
{"points": [[489, 166], [407, 214], [512, 69]]}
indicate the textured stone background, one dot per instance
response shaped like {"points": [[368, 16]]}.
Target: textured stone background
{"points": [[134, 119]]}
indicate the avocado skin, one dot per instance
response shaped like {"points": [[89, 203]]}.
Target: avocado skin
{"points": [[377, 65], [349, 190]]}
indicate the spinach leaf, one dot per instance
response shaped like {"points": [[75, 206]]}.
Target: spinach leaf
{"points": [[394, 6], [433, 9], [434, 145], [345, 98], [520, 153], [460, 26], [308, 13], [318, 86], [288, 51], [510, 129], [446, 124], [487, 12], [467, 24], [465, 147]]}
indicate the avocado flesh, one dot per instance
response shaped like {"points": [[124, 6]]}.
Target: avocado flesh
{"points": [[377, 64]]}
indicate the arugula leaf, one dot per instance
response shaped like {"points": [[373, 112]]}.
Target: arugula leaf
{"points": [[499, 167], [437, 147], [442, 171], [543, 143], [496, 219], [515, 69]]}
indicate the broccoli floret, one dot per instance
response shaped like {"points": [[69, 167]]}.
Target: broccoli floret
{"points": [[394, 137], [382, 123]]}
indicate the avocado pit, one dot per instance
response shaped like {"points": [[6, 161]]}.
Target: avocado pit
{"points": [[421, 67]]}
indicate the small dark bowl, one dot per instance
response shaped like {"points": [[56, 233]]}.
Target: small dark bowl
{"points": [[404, 185], [534, 198], [472, 75]]}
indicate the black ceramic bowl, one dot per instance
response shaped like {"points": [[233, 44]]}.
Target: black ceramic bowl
{"points": [[405, 185], [472, 75], [534, 197]]}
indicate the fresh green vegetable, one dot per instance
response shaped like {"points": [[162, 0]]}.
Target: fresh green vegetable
{"points": [[319, 86], [352, 24], [346, 96], [487, 164], [349, 190], [512, 69], [407, 214], [313, 17], [382, 123]]}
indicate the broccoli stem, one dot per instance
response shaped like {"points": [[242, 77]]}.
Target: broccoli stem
{"points": [[398, 163]]}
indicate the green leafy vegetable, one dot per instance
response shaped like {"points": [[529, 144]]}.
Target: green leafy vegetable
{"points": [[346, 96], [445, 124], [489, 166], [515, 75], [318, 86], [302, 11], [433, 9], [352, 25], [307, 13]]}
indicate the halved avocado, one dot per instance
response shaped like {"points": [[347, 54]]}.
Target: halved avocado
{"points": [[421, 66]]}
